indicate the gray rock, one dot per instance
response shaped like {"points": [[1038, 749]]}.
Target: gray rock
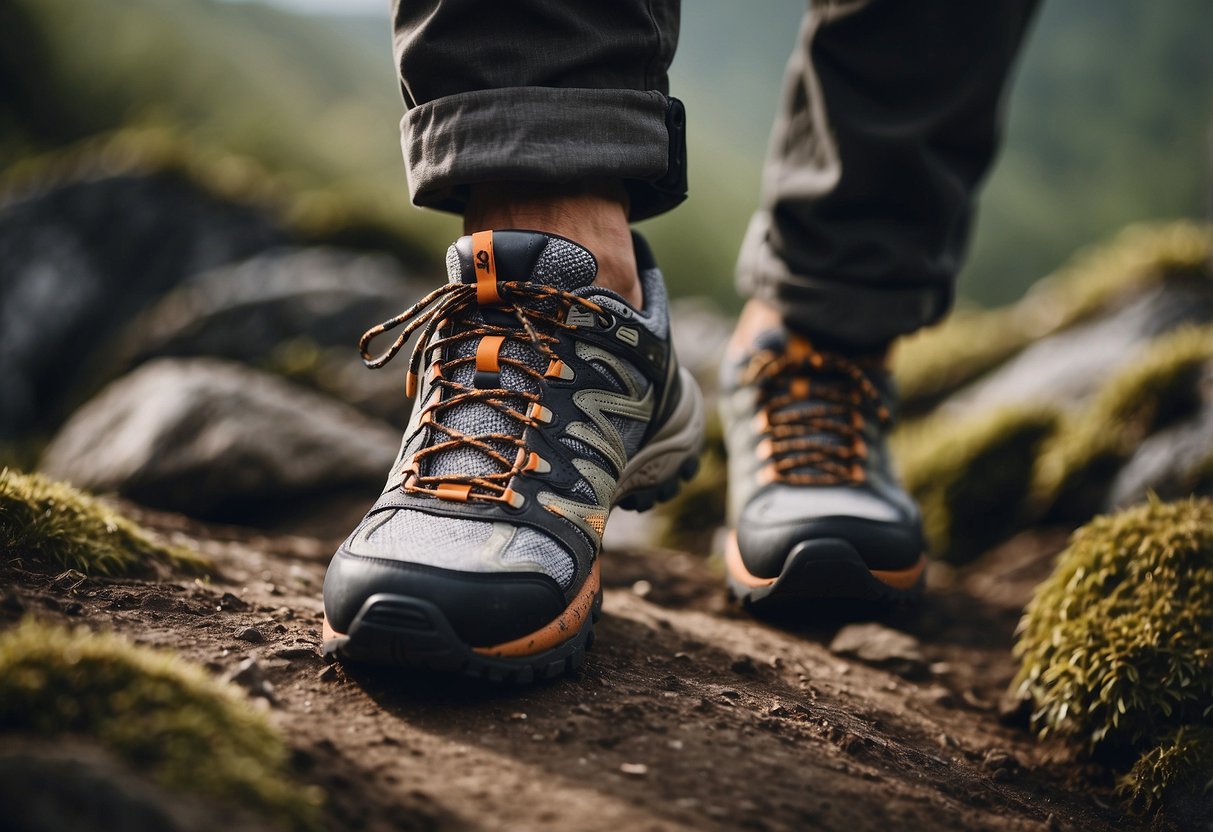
{"points": [[79, 260], [215, 439], [294, 311], [700, 332], [1067, 368], [250, 634], [880, 646], [1172, 463], [251, 676]]}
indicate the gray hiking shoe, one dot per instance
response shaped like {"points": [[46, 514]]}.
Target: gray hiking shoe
{"points": [[815, 509], [542, 401]]}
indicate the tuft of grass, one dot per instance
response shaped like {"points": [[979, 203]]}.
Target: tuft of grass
{"points": [[1116, 647], [1182, 764], [163, 716], [938, 360], [1091, 446], [53, 525], [971, 476]]}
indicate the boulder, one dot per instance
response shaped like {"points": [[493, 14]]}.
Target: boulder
{"points": [[219, 440], [1065, 369], [298, 312], [77, 261], [1172, 463]]}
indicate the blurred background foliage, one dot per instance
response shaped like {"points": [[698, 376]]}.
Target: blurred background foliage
{"points": [[1109, 120]]}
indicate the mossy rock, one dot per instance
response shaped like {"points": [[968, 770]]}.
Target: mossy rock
{"points": [[939, 360], [1116, 647], [971, 476], [161, 715], [49, 524], [1078, 463]]}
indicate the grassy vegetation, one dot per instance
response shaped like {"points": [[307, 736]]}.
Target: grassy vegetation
{"points": [[1091, 445], [971, 477], [936, 361], [1181, 764], [1116, 647], [50, 525], [159, 714]]}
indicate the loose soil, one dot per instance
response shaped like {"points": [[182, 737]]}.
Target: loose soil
{"points": [[688, 714]]}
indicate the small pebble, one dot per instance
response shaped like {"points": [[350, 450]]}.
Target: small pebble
{"points": [[642, 588], [250, 634], [634, 769]]}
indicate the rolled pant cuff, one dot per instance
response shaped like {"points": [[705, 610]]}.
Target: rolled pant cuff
{"points": [[849, 313], [546, 134]]}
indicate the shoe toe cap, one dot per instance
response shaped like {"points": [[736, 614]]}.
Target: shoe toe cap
{"points": [[483, 608], [885, 533]]}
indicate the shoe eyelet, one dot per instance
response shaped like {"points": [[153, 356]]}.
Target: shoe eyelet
{"points": [[605, 320]]}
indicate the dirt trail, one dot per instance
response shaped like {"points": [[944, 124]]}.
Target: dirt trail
{"points": [[688, 714]]}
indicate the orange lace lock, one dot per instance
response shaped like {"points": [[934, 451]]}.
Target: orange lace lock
{"points": [[456, 492]]}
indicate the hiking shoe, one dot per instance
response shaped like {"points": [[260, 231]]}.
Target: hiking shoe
{"points": [[541, 402], [815, 509]]}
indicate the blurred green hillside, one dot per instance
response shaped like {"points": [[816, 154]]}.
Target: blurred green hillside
{"points": [[1108, 122]]}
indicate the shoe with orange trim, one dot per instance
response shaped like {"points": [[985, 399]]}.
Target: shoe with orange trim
{"points": [[541, 401], [815, 510]]}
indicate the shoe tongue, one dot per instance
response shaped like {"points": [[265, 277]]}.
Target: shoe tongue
{"points": [[518, 256], [527, 256]]}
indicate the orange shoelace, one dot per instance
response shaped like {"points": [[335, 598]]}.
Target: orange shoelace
{"points": [[810, 423], [540, 311]]}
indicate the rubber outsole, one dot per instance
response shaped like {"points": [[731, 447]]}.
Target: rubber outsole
{"points": [[413, 633], [818, 572]]}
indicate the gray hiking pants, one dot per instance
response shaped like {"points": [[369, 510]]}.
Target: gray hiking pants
{"points": [[890, 117]]}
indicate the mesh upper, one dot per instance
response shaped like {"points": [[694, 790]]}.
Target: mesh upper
{"points": [[457, 543]]}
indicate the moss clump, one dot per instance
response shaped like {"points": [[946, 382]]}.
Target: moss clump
{"points": [[161, 715], [941, 359], [1181, 765], [1116, 647], [50, 524], [1090, 446], [971, 476]]}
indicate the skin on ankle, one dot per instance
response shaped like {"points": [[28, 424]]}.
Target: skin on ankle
{"points": [[592, 214]]}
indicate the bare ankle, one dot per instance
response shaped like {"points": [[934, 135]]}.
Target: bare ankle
{"points": [[591, 214]]}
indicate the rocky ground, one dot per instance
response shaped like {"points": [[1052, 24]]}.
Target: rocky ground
{"points": [[688, 715], [224, 387]]}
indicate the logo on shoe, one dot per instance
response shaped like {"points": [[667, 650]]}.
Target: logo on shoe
{"points": [[628, 335], [482, 259]]}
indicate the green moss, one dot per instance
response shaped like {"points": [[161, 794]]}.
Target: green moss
{"points": [[161, 715], [971, 476], [1091, 445], [1116, 647], [931, 363], [50, 524], [1182, 764], [971, 342]]}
